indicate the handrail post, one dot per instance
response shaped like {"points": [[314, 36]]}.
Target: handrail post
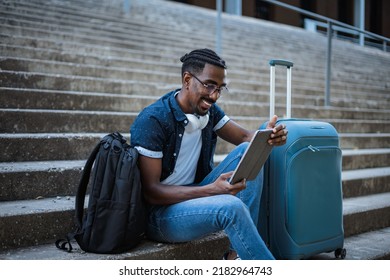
{"points": [[361, 21], [218, 32], [328, 65], [126, 6]]}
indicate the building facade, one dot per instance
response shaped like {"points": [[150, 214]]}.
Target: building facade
{"points": [[376, 17]]}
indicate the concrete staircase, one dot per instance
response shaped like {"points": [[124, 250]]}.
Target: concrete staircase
{"points": [[72, 71]]}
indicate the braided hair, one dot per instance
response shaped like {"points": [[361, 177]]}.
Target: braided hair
{"points": [[195, 61]]}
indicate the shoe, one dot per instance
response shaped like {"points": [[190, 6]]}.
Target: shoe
{"points": [[237, 258]]}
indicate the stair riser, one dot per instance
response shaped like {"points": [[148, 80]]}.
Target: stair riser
{"points": [[366, 186], [41, 121], [46, 122], [52, 182], [369, 142], [37, 66], [139, 61], [34, 229], [47, 148], [365, 161], [32, 148], [366, 221], [38, 184], [67, 101], [74, 83], [51, 99]]}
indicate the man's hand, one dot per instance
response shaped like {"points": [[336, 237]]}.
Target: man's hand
{"points": [[279, 135], [222, 185]]}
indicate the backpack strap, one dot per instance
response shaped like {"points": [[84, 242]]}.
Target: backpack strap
{"points": [[82, 189], [65, 243]]}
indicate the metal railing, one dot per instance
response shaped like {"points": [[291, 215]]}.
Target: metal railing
{"points": [[331, 26]]}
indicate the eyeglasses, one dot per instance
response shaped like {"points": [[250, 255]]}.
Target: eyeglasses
{"points": [[211, 88]]}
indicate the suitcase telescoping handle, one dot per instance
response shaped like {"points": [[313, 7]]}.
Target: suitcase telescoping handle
{"points": [[289, 65]]}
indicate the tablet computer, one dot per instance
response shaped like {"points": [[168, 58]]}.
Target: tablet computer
{"points": [[254, 157]]}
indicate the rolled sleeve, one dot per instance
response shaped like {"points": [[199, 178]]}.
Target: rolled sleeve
{"points": [[147, 135], [221, 123]]}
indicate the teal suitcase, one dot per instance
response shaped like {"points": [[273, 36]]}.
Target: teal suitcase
{"points": [[301, 214]]}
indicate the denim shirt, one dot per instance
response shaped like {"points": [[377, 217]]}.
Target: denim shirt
{"points": [[159, 129]]}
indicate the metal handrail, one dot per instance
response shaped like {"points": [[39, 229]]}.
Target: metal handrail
{"points": [[330, 22]]}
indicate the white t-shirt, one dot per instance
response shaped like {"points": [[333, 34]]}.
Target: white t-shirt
{"points": [[187, 160]]}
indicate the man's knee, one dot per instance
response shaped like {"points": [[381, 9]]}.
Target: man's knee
{"points": [[232, 207], [242, 147]]}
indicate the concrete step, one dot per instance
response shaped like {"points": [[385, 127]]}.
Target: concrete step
{"points": [[150, 34], [80, 25], [371, 140], [51, 218], [373, 245], [237, 78], [69, 49], [254, 83], [149, 61], [116, 16], [154, 34], [63, 121], [366, 213], [234, 108], [82, 84], [103, 71], [250, 102], [25, 98], [309, 79], [28, 121], [366, 181], [74, 146], [37, 179], [365, 158], [210, 247]]}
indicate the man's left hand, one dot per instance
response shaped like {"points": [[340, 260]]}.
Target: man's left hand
{"points": [[279, 135]]}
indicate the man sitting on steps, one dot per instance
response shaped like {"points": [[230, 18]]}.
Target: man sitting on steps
{"points": [[176, 137]]}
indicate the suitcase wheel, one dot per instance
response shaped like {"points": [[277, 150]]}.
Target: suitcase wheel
{"points": [[340, 253]]}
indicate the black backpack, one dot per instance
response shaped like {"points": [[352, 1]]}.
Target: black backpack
{"points": [[116, 217]]}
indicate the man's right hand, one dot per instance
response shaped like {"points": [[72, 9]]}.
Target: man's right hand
{"points": [[224, 187]]}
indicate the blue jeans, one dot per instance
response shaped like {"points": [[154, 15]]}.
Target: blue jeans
{"points": [[236, 215]]}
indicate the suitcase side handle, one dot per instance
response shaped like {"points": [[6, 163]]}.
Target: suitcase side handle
{"points": [[289, 65]]}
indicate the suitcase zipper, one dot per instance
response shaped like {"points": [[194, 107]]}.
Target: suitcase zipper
{"points": [[313, 149]]}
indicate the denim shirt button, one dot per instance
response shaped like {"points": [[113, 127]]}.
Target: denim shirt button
{"points": [[180, 135], [174, 154]]}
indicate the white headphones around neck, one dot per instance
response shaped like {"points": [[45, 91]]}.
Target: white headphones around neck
{"points": [[196, 122]]}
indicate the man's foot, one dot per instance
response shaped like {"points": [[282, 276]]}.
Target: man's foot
{"points": [[231, 255]]}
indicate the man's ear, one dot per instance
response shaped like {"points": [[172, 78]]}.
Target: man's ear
{"points": [[186, 79]]}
